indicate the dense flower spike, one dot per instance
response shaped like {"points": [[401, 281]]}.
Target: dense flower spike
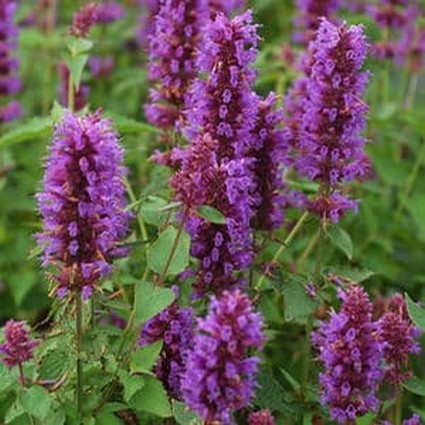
{"points": [[310, 12], [262, 417], [83, 202], [270, 152], [222, 116], [18, 346], [220, 375], [174, 326], [172, 48], [351, 352], [398, 333], [326, 124], [84, 19], [10, 83]]}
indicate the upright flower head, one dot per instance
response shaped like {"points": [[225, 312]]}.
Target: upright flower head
{"points": [[351, 352], [18, 346], [174, 326], [262, 417], [84, 19], [220, 374], [83, 201], [10, 84], [172, 48], [398, 333], [310, 12], [329, 147]]}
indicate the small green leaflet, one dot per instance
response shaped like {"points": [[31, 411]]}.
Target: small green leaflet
{"points": [[416, 313], [341, 239], [211, 214], [145, 357]]}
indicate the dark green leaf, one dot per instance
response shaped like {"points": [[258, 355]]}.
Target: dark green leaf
{"points": [[416, 386], [33, 129], [416, 313], [341, 239]]}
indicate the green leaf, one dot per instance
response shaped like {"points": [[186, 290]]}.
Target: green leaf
{"points": [[53, 364], [416, 208], [183, 415], [211, 214], [416, 386], [131, 384], [33, 129], [57, 112], [76, 65], [107, 418], [145, 357], [341, 239], [7, 380], [291, 380], [150, 210], [298, 305], [366, 420], [150, 300], [21, 285], [152, 398], [125, 125], [15, 411], [352, 273], [55, 417], [36, 402], [78, 45], [160, 252], [416, 313]]}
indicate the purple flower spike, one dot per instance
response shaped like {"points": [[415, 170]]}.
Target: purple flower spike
{"points": [[220, 375], [351, 352], [84, 20], [398, 334], [326, 124], [172, 47], [262, 417], [83, 203], [18, 346], [174, 326]]}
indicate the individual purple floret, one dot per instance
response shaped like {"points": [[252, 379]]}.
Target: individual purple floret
{"points": [[83, 202], [398, 333], [262, 417], [173, 45], [10, 84], [107, 13], [174, 326], [351, 352], [270, 153], [18, 346], [310, 13], [220, 373], [326, 124]]}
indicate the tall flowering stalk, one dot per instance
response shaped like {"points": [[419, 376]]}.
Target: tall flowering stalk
{"points": [[220, 374], [351, 352], [10, 84], [172, 49], [82, 204], [310, 13], [222, 115], [327, 123]]}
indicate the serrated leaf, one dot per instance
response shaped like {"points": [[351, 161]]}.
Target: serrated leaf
{"points": [[160, 254], [416, 313], [298, 305], [7, 380], [145, 357], [341, 239], [131, 384], [33, 129], [36, 402], [53, 364], [152, 398], [211, 214], [416, 386], [150, 300], [14, 412], [183, 415]]}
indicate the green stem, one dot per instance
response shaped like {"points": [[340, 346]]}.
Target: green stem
{"points": [[411, 91], [71, 93], [399, 408], [285, 244], [21, 375], [307, 250], [133, 200], [306, 355], [319, 255], [79, 335]]}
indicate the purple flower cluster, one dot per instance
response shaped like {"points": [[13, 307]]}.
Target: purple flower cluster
{"points": [[10, 84], [83, 203], [174, 326], [351, 351], [398, 334], [262, 417], [172, 48], [414, 420], [311, 11], [220, 375], [18, 346], [84, 20], [226, 6], [326, 123], [107, 13]]}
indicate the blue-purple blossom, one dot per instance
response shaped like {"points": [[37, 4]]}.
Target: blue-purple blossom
{"points": [[173, 45], [174, 326], [327, 116], [18, 346], [109, 12], [83, 202], [351, 352], [101, 67], [220, 372], [10, 84]]}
